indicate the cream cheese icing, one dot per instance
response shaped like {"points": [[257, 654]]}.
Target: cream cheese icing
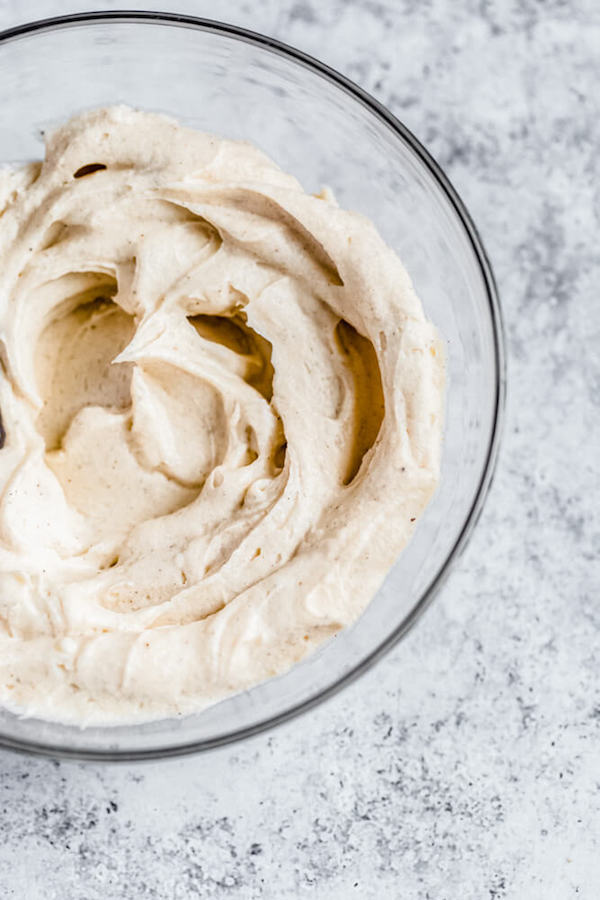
{"points": [[221, 417]]}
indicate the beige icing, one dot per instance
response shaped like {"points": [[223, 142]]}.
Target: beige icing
{"points": [[222, 405]]}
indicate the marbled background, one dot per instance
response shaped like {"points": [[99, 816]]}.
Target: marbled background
{"points": [[466, 766]]}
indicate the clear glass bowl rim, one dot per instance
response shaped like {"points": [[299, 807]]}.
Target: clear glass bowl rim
{"points": [[404, 134]]}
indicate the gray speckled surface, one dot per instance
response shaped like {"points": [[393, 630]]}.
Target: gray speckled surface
{"points": [[466, 766]]}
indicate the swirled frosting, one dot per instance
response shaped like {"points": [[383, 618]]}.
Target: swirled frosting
{"points": [[221, 417]]}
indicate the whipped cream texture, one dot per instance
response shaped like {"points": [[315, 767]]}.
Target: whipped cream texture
{"points": [[221, 417]]}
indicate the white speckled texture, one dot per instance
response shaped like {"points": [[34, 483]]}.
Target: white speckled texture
{"points": [[466, 766]]}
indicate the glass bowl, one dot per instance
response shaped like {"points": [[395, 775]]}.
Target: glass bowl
{"points": [[325, 130]]}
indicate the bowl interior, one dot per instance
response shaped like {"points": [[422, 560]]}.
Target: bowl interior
{"points": [[320, 128]]}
